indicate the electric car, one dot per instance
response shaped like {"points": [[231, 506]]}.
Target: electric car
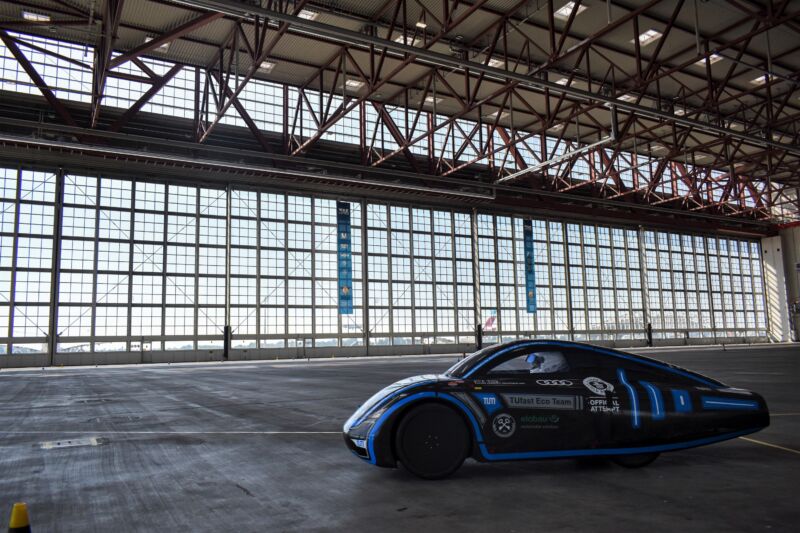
{"points": [[539, 399]]}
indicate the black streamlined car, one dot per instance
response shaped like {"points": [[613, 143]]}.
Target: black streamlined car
{"points": [[540, 399]]}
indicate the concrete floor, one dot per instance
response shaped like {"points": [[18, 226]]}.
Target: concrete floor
{"points": [[256, 447]]}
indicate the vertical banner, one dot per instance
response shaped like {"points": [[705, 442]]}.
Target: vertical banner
{"points": [[530, 272], [345, 258]]}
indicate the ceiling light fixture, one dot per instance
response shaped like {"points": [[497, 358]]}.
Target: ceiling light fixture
{"points": [[647, 37], [163, 48], [307, 14], [713, 58], [761, 78], [493, 116], [565, 11], [497, 63], [266, 66], [410, 41], [30, 16]]}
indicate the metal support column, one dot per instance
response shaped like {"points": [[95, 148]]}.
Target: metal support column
{"points": [[643, 275], [476, 279], [364, 280], [710, 288], [227, 332], [52, 331]]}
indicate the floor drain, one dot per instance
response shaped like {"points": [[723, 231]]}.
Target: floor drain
{"points": [[73, 443]]}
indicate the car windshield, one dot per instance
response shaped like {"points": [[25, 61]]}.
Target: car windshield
{"points": [[462, 368], [545, 362]]}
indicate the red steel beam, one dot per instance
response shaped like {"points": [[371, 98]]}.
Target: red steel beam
{"points": [[51, 98], [165, 38]]}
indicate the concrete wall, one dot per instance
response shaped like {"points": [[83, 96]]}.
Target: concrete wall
{"points": [[775, 288], [176, 356]]}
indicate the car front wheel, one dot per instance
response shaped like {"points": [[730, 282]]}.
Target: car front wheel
{"points": [[432, 441]]}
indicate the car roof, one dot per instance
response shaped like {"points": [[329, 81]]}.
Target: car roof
{"points": [[506, 347]]}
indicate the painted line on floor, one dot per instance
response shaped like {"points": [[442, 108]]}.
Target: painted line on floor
{"points": [[761, 442], [761, 373], [54, 432], [784, 414]]}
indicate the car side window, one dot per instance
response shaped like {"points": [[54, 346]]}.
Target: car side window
{"points": [[541, 362]]}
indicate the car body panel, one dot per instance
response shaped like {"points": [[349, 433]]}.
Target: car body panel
{"points": [[612, 403]]}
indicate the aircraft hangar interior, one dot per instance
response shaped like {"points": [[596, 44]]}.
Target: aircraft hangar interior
{"points": [[325, 265]]}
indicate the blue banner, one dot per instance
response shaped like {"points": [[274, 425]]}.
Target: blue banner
{"points": [[530, 271], [345, 258]]}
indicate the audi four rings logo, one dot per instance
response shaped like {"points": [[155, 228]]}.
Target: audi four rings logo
{"points": [[554, 382]]}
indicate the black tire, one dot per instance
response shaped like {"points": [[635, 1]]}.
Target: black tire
{"points": [[432, 441], [637, 460]]}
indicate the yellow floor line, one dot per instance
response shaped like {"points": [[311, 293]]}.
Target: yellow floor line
{"points": [[770, 445]]}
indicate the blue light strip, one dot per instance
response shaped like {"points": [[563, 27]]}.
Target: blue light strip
{"points": [[635, 422], [656, 400], [597, 350], [682, 401], [733, 404]]}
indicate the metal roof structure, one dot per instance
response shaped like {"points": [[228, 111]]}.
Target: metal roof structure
{"points": [[685, 110]]}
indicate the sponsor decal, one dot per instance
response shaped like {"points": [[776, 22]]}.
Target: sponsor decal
{"points": [[504, 425], [601, 404], [554, 382], [497, 382], [489, 401], [598, 386], [543, 401], [539, 421]]}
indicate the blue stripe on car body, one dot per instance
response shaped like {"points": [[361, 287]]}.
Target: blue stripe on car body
{"points": [[682, 400], [386, 400], [722, 403], [613, 451], [656, 400], [594, 349], [634, 398], [475, 426], [381, 419], [538, 454], [373, 432]]}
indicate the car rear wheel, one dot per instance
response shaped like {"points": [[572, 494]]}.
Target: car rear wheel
{"points": [[432, 441], [637, 460]]}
